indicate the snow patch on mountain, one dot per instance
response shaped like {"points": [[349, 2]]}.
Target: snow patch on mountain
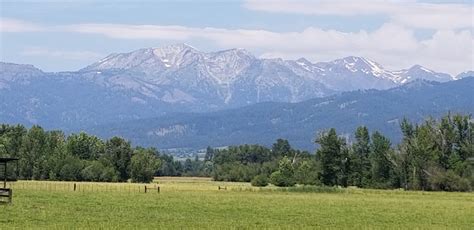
{"points": [[181, 75]]}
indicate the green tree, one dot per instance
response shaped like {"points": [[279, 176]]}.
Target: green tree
{"points": [[332, 155], [284, 177], [56, 151], [118, 154], [359, 158], [92, 171], [33, 154], [307, 173], [71, 169], [381, 161], [85, 146], [209, 154], [12, 137], [144, 165], [281, 148]]}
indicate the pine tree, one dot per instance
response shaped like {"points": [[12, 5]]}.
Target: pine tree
{"points": [[333, 157], [359, 160]]}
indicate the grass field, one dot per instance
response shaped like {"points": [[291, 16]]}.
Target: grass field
{"points": [[197, 203]]}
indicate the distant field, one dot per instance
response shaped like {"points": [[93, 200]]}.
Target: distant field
{"points": [[197, 203]]}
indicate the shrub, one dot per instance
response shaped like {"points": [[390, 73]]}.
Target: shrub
{"points": [[259, 181], [449, 181], [281, 180], [284, 177]]}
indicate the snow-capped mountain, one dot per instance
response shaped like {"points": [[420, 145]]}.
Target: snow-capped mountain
{"points": [[236, 74], [179, 78]]}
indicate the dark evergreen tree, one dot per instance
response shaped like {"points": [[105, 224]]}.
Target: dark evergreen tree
{"points": [[381, 159], [332, 155], [359, 159]]}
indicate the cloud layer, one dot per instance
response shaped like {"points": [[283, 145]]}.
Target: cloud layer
{"points": [[394, 44], [404, 12], [67, 55]]}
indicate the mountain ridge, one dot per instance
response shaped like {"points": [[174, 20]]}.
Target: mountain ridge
{"points": [[263, 123], [152, 82]]}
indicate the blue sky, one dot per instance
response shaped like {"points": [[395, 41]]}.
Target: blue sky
{"points": [[68, 35]]}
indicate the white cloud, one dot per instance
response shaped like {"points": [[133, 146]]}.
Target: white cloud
{"points": [[14, 25], [68, 55], [408, 13], [393, 44]]}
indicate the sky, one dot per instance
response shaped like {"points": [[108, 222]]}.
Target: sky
{"points": [[69, 35]]}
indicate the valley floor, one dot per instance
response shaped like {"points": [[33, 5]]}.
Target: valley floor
{"points": [[197, 203]]}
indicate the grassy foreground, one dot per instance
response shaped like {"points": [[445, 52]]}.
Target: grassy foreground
{"points": [[197, 203]]}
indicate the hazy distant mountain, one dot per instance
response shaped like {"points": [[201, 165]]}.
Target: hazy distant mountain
{"points": [[465, 74], [178, 78], [265, 122]]}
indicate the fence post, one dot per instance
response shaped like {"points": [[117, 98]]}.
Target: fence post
{"points": [[145, 188], [10, 195], [74, 187], [158, 189]]}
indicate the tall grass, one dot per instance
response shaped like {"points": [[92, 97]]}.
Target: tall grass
{"points": [[196, 203]]}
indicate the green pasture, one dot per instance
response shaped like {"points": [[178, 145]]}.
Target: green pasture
{"points": [[196, 203]]}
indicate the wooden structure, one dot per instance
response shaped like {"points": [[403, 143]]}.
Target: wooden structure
{"points": [[6, 192], [151, 188]]}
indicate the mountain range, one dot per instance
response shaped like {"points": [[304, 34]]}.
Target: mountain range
{"points": [[175, 79]]}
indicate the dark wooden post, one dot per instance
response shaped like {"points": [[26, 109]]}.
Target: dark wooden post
{"points": [[74, 187], [5, 175], [158, 189], [145, 188]]}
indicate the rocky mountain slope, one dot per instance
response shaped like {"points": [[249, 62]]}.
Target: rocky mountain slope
{"points": [[179, 78]]}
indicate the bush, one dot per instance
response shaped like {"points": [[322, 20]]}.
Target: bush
{"points": [[449, 181], [259, 181], [281, 180], [71, 170], [284, 177]]}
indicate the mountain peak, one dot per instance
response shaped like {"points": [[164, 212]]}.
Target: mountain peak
{"points": [[303, 61], [239, 52], [354, 60], [6, 67], [420, 68], [356, 64], [149, 59], [11, 71], [420, 72], [173, 49]]}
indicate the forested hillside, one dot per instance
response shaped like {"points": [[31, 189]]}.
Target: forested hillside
{"points": [[264, 123]]}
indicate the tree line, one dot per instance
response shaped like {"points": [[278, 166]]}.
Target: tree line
{"points": [[50, 155], [433, 155]]}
